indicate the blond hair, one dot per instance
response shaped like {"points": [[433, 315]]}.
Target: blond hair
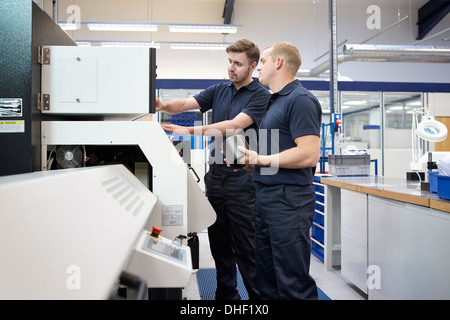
{"points": [[289, 53]]}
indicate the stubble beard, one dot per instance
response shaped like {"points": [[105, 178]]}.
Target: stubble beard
{"points": [[236, 79]]}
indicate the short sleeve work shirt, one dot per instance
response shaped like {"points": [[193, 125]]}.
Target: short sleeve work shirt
{"points": [[226, 103], [291, 113]]}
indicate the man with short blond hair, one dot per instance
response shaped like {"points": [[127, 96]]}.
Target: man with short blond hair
{"points": [[285, 199]]}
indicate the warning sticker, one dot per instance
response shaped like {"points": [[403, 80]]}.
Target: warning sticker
{"points": [[172, 215], [12, 126], [10, 107]]}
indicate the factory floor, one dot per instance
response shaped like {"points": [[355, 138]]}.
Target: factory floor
{"points": [[330, 282]]}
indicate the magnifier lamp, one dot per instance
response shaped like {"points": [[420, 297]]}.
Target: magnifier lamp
{"points": [[428, 129]]}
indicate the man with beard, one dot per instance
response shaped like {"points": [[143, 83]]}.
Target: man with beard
{"points": [[238, 105]]}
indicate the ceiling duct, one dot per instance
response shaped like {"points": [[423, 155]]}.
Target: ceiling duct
{"points": [[399, 53], [383, 53]]}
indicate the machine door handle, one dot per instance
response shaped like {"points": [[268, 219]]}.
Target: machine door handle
{"points": [[190, 168]]}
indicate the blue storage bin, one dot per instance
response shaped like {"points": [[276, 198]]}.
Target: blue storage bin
{"points": [[318, 233], [320, 198], [319, 218], [320, 207], [443, 186], [317, 250], [433, 180], [319, 188]]}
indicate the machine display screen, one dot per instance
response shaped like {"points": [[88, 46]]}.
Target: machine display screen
{"points": [[165, 249]]}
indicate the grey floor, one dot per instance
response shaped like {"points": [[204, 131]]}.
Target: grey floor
{"points": [[330, 282]]}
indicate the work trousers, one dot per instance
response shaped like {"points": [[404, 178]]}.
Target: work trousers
{"points": [[284, 215], [232, 236]]}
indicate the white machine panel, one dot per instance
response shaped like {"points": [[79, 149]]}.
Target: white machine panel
{"points": [[97, 80], [69, 234], [161, 262], [182, 206]]}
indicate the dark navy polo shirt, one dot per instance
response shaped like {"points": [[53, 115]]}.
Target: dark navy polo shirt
{"points": [[291, 113], [226, 103]]}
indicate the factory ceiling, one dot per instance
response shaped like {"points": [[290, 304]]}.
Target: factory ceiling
{"points": [[430, 14]]}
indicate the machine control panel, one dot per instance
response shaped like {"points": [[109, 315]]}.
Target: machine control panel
{"points": [[166, 248]]}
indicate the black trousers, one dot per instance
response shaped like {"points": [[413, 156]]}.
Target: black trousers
{"points": [[284, 215], [232, 236]]}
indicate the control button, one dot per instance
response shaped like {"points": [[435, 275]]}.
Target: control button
{"points": [[156, 231]]}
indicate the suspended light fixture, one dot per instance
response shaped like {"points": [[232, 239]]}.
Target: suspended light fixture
{"points": [[83, 43], [199, 46], [68, 26], [149, 44], [149, 27], [203, 28]]}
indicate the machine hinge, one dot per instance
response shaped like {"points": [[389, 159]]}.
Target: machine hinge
{"points": [[43, 102], [44, 55]]}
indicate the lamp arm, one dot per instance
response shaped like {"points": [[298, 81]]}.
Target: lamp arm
{"points": [[415, 138]]}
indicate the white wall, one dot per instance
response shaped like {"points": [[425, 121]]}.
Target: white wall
{"points": [[440, 104], [302, 22]]}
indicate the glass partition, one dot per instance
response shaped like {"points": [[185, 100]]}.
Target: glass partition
{"points": [[324, 100], [185, 119], [361, 125], [398, 117], [377, 116]]}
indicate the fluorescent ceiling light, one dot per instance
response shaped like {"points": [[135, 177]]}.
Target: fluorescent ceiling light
{"points": [[356, 102], [83, 43], [123, 27], [397, 108], [414, 103], [199, 46], [68, 26], [129, 44], [212, 28]]}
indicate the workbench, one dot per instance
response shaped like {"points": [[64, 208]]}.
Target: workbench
{"points": [[387, 237]]}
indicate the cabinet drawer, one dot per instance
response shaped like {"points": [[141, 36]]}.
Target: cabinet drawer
{"points": [[317, 233]]}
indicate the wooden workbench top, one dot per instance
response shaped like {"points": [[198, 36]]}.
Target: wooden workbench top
{"points": [[390, 188]]}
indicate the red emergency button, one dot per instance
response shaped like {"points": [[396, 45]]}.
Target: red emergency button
{"points": [[156, 231], [338, 122]]}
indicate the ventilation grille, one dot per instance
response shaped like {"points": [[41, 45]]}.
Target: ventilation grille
{"points": [[122, 192]]}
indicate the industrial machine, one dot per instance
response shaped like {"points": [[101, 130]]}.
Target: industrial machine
{"points": [[68, 234], [81, 234], [182, 207], [106, 97]]}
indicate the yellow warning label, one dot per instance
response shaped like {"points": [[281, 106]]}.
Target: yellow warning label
{"points": [[12, 126], [11, 122]]}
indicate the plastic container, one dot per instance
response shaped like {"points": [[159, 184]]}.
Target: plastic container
{"points": [[349, 165], [433, 180], [443, 186]]}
